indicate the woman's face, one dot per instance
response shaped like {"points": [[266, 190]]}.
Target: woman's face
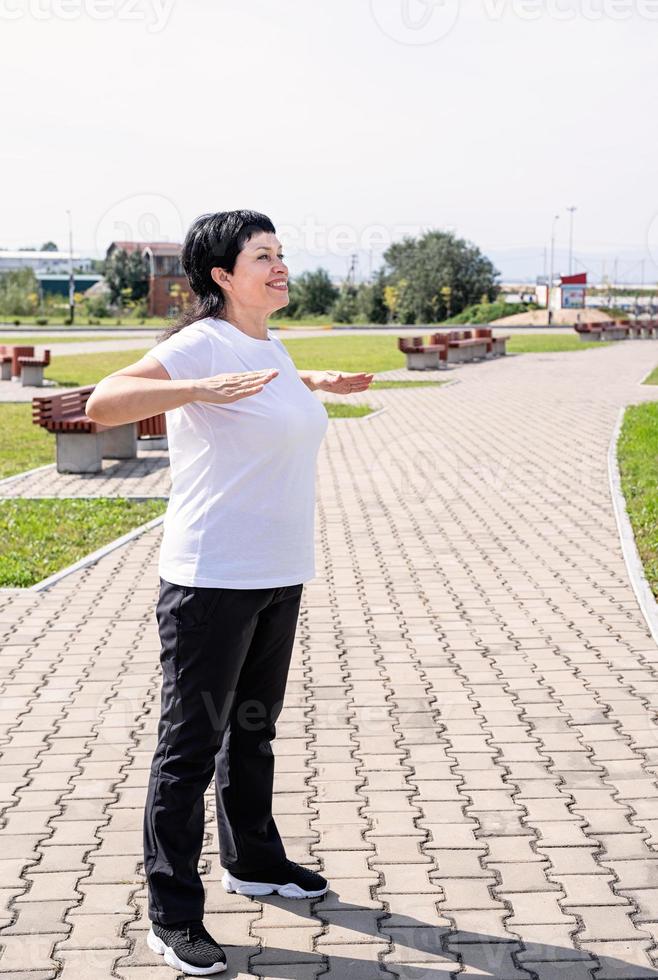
{"points": [[260, 277]]}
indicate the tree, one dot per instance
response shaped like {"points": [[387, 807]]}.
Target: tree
{"points": [[371, 300], [127, 276], [436, 276], [345, 307], [315, 293], [19, 292], [49, 247]]}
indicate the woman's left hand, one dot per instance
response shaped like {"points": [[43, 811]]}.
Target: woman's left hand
{"points": [[341, 382]]}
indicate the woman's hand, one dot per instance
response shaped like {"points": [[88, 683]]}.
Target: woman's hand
{"points": [[224, 388], [341, 382]]}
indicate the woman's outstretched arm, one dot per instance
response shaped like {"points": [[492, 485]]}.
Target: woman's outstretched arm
{"points": [[339, 382]]}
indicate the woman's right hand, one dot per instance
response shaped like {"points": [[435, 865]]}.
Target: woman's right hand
{"points": [[224, 388]]}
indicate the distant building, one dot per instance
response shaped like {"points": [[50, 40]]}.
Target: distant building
{"points": [[573, 291], [168, 285], [567, 292], [43, 263], [59, 284]]}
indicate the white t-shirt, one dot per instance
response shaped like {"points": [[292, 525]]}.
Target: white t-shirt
{"points": [[242, 506]]}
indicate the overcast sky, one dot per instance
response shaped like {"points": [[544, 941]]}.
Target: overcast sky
{"points": [[350, 122]]}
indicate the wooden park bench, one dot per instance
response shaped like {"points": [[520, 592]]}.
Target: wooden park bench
{"points": [[31, 369], [21, 361], [421, 356], [498, 344], [605, 330], [81, 443], [451, 347], [5, 363], [469, 345], [460, 346], [9, 354]]}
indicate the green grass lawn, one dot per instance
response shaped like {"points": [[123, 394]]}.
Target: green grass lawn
{"points": [[82, 321], [40, 537], [342, 410], [127, 321], [652, 379], [405, 384], [533, 343], [637, 454], [23, 445], [341, 353], [35, 340]]}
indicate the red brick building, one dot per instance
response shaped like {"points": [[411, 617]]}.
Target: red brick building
{"points": [[169, 290]]}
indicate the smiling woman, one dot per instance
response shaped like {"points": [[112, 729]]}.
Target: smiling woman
{"points": [[234, 263], [244, 432]]}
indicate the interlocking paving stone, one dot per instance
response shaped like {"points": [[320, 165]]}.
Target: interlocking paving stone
{"points": [[468, 747]]}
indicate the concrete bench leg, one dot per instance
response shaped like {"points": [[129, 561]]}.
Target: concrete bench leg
{"points": [[417, 361], [120, 442], [32, 374], [79, 452], [154, 442], [5, 370]]}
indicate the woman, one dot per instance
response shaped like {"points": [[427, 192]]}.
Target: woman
{"points": [[244, 431]]}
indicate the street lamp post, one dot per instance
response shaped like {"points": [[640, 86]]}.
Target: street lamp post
{"points": [[549, 298], [71, 273], [571, 213]]}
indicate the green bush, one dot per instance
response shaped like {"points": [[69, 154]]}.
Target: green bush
{"points": [[486, 312], [96, 306], [41, 321]]}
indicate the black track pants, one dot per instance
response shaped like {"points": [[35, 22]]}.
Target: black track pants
{"points": [[225, 655]]}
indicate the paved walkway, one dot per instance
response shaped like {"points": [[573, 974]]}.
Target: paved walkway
{"points": [[468, 747]]}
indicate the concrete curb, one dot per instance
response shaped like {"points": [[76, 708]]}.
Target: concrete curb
{"points": [[25, 473], [641, 588], [359, 418], [645, 376], [46, 583]]}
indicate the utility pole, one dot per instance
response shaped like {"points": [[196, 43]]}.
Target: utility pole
{"points": [[71, 274], [549, 308], [571, 213], [352, 270], [614, 277]]}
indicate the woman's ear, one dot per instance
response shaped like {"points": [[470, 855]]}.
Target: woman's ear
{"points": [[221, 277]]}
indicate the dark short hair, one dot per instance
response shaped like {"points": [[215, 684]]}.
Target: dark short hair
{"points": [[214, 240]]}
